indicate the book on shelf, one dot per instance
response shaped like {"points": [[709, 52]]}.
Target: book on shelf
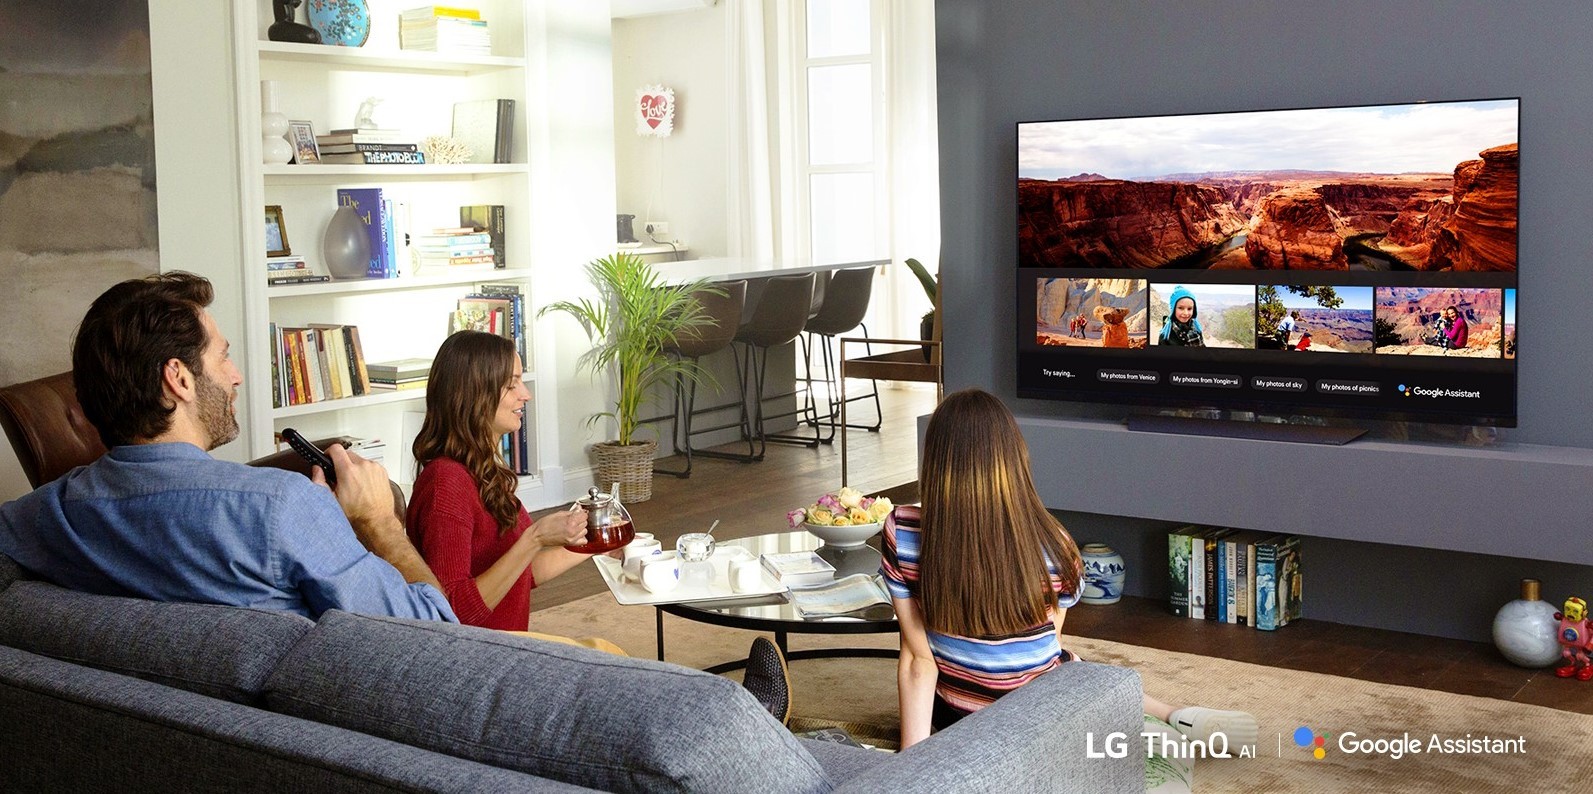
{"points": [[338, 137], [1178, 570], [1278, 596], [308, 278], [1291, 597], [376, 212], [399, 369], [798, 568], [403, 385], [375, 158], [488, 218], [445, 33], [1213, 580], [487, 127], [316, 362], [349, 148], [286, 263], [516, 313], [429, 12]]}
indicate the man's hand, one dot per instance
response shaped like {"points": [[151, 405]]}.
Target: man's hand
{"points": [[563, 528]]}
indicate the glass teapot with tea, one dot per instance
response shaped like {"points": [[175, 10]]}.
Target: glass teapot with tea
{"points": [[608, 523]]}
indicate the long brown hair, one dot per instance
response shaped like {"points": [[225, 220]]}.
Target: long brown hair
{"points": [[462, 396], [986, 536]]}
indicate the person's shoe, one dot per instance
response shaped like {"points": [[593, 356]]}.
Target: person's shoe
{"points": [[1585, 673], [1565, 670], [768, 678], [1199, 722]]}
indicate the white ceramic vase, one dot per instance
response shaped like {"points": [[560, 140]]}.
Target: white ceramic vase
{"points": [[1525, 630], [274, 146], [1103, 574]]}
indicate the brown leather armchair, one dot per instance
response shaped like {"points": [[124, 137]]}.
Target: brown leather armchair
{"points": [[51, 435]]}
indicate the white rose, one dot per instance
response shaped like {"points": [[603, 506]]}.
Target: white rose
{"points": [[849, 497]]}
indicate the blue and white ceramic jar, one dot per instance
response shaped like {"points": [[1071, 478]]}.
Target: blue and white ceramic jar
{"points": [[1103, 574]]}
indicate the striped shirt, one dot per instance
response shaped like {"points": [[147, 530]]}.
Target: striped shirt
{"points": [[974, 671]]}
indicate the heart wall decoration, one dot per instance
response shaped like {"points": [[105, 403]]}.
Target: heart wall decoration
{"points": [[655, 111]]}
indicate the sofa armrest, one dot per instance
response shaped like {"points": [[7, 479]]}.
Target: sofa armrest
{"points": [[293, 461], [1033, 739]]}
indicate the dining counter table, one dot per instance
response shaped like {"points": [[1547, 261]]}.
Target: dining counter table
{"points": [[735, 268], [783, 377]]}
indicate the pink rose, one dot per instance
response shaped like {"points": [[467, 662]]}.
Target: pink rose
{"points": [[795, 517]]}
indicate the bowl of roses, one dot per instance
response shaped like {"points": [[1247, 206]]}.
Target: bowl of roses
{"points": [[844, 519]]}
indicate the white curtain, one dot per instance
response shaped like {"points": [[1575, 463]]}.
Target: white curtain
{"points": [[752, 181], [913, 158]]}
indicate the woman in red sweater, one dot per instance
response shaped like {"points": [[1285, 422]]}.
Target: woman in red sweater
{"points": [[464, 516]]}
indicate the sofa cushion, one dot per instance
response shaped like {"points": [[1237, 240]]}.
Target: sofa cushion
{"points": [[558, 711], [9, 571], [219, 651]]}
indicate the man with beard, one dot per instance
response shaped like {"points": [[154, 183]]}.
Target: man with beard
{"points": [[157, 517]]}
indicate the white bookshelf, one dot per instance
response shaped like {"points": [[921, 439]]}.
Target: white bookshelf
{"points": [[401, 317]]}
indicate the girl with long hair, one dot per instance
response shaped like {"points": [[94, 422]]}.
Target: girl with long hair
{"points": [[464, 516], [981, 576]]}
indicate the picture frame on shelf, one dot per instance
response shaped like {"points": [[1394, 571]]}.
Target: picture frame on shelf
{"points": [[276, 232], [302, 135]]}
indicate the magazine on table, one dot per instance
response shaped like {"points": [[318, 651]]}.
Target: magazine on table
{"points": [[844, 596]]}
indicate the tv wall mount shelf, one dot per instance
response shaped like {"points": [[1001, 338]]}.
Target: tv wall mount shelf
{"points": [[1233, 428]]}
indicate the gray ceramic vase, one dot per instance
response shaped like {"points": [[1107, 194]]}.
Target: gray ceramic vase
{"points": [[347, 245]]}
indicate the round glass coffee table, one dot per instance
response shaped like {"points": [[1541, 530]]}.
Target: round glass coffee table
{"points": [[778, 615]]}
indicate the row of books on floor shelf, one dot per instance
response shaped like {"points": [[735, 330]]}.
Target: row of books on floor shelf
{"points": [[496, 309], [499, 309], [1244, 577], [315, 363], [369, 146], [291, 270], [444, 29]]}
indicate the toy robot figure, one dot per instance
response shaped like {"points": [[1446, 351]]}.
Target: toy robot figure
{"points": [[1574, 640]]}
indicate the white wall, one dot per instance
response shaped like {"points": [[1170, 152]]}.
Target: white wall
{"points": [[572, 168], [682, 178]]}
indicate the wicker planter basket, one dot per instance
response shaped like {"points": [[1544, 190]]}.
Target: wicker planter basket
{"points": [[630, 466]]}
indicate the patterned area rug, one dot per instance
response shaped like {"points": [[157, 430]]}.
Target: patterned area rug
{"points": [[1376, 737]]}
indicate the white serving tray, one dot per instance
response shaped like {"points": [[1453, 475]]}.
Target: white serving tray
{"points": [[629, 592]]}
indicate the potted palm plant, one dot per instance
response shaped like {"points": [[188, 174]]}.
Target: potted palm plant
{"points": [[931, 285], [631, 325]]}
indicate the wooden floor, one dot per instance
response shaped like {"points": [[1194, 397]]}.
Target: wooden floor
{"points": [[752, 499]]}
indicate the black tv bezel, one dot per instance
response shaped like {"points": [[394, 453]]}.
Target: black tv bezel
{"points": [[1278, 407]]}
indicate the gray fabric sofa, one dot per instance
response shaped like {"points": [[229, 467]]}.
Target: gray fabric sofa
{"points": [[99, 693]]}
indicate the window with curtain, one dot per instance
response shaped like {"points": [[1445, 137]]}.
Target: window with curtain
{"points": [[839, 146]]}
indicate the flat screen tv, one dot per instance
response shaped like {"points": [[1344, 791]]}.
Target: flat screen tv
{"points": [[1343, 261]]}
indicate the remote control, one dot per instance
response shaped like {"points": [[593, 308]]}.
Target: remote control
{"points": [[310, 452]]}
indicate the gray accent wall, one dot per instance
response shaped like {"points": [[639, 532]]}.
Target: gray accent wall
{"points": [[1018, 60]]}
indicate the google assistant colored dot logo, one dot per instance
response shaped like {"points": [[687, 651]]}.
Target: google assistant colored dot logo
{"points": [[1317, 743]]}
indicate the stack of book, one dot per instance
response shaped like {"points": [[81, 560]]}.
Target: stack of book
{"points": [[458, 246], [799, 568], [290, 270], [367, 146], [1246, 578], [405, 373], [499, 309], [488, 218], [380, 214], [444, 29], [315, 363]]}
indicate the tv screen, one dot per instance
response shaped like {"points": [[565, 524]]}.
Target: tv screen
{"points": [[1354, 261]]}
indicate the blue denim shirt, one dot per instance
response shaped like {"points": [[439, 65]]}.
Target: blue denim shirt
{"points": [[169, 522]]}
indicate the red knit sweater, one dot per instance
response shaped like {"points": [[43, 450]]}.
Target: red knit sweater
{"points": [[459, 540]]}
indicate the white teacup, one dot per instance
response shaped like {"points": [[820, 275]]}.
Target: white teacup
{"points": [[746, 576], [636, 551], [660, 574]]}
